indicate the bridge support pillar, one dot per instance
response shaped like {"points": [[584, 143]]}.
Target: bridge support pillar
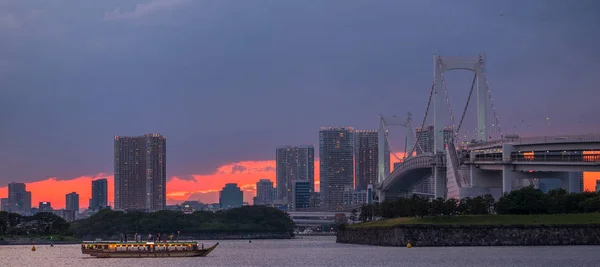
{"points": [[508, 175], [440, 182]]}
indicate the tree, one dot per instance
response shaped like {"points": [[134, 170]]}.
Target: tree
{"points": [[353, 215]]}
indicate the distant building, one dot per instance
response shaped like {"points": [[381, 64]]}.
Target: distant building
{"points": [[18, 200], [367, 158], [370, 194], [294, 163], [336, 154], [548, 184], [140, 172], [597, 185], [354, 197], [68, 215], [315, 200], [72, 202], [191, 206], [99, 198], [231, 196], [301, 197], [265, 192], [45, 206]]}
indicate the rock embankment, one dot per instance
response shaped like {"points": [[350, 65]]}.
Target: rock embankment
{"points": [[473, 235]]}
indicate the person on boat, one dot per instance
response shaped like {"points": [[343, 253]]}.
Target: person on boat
{"points": [[171, 237], [149, 237], [158, 237]]}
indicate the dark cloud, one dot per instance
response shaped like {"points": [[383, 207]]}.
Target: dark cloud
{"points": [[228, 81]]}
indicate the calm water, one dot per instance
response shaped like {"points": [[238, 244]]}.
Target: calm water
{"points": [[319, 251]]}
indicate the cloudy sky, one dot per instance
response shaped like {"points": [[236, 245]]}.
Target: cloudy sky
{"points": [[228, 81]]}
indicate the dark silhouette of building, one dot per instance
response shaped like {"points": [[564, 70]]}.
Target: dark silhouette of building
{"points": [[367, 158], [18, 200], [294, 163], [140, 172], [336, 154], [231, 197], [265, 192], [99, 198], [72, 202]]}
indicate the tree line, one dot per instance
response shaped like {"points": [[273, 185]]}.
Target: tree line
{"points": [[527, 200], [106, 223]]}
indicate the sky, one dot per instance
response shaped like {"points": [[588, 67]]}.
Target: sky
{"points": [[229, 81]]}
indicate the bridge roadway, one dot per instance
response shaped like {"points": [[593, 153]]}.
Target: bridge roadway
{"points": [[516, 158]]}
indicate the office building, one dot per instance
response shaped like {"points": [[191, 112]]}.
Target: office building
{"points": [[336, 154], [265, 192], [140, 172], [72, 202], [294, 163], [18, 200], [366, 158], [301, 195], [99, 198], [231, 196], [597, 185], [355, 197]]}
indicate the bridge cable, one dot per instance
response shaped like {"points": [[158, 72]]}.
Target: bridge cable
{"points": [[424, 117], [492, 102], [467, 104], [447, 100]]}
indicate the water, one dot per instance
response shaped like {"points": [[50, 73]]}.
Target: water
{"points": [[318, 251]]}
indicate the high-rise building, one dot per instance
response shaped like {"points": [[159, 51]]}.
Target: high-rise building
{"points": [[231, 196], [597, 185], [294, 163], [336, 158], [301, 195], [140, 172], [265, 192], [99, 198], [366, 158], [18, 200], [72, 202], [425, 138]]}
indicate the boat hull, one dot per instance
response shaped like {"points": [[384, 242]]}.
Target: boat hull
{"points": [[151, 254]]}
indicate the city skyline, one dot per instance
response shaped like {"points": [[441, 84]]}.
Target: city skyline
{"points": [[202, 89]]}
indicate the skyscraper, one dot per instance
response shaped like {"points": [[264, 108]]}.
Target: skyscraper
{"points": [[72, 202], [231, 196], [140, 172], [294, 163], [99, 198], [367, 158], [336, 154], [265, 193], [19, 199]]}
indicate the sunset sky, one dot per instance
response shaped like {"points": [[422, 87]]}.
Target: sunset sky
{"points": [[229, 81]]}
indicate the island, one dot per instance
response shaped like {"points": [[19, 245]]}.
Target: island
{"points": [[247, 222], [525, 217]]}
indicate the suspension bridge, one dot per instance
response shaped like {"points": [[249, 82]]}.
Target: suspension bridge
{"points": [[463, 168]]}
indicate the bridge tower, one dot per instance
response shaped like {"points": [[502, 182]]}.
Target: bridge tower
{"points": [[441, 65], [382, 142]]}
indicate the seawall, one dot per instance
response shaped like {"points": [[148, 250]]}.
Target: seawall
{"points": [[472, 235]]}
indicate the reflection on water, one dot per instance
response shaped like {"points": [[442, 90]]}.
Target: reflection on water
{"points": [[318, 251]]}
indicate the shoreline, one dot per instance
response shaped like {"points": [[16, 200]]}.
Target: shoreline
{"points": [[455, 235]]}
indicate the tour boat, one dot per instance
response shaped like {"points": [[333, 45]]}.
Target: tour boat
{"points": [[145, 249]]}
